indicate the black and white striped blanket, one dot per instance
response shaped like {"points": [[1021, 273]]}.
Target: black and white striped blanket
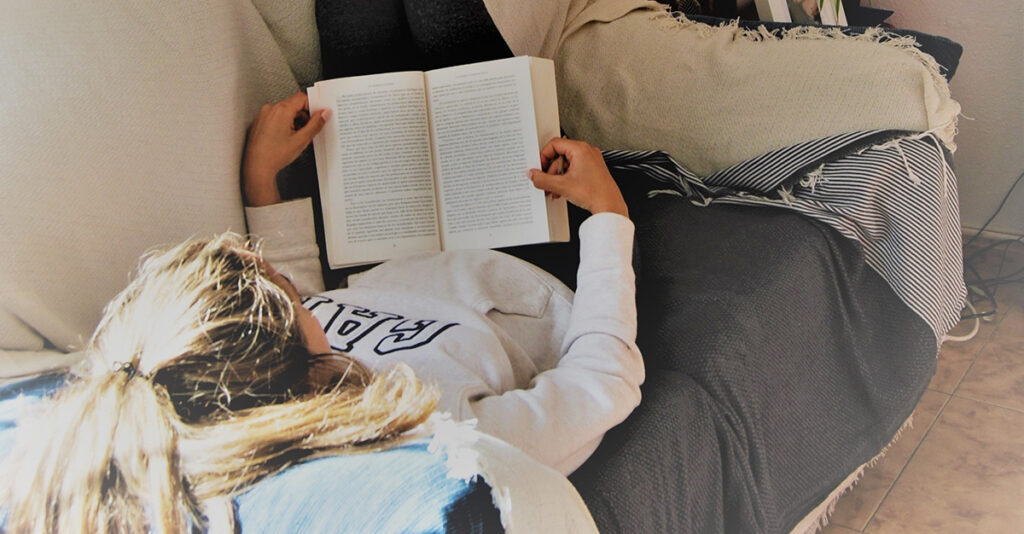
{"points": [[892, 192]]}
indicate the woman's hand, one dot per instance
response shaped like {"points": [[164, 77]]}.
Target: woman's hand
{"points": [[586, 182], [279, 133]]}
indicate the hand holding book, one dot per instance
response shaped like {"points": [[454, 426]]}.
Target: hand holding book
{"points": [[278, 134], [458, 140], [576, 171]]}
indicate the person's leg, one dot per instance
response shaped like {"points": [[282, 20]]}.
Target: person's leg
{"points": [[369, 37], [366, 37], [454, 32]]}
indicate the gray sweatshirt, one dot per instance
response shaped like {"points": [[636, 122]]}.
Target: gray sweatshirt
{"points": [[507, 343]]}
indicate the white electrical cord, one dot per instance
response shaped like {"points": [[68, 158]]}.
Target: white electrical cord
{"points": [[974, 332]]}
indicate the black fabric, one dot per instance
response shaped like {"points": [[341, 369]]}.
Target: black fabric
{"points": [[473, 512], [858, 15], [777, 363], [365, 37], [374, 36]]}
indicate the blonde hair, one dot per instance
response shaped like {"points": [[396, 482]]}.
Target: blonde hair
{"points": [[199, 386]]}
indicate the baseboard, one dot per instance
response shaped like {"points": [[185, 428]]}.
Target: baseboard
{"points": [[987, 234]]}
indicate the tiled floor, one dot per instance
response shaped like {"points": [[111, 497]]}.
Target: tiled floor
{"points": [[960, 468]]}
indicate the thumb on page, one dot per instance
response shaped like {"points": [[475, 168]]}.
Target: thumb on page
{"points": [[551, 183], [313, 126]]}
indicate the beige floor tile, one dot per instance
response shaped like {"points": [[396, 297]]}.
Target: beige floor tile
{"points": [[997, 375], [836, 529], [1009, 295], [855, 508], [956, 357], [967, 476], [1012, 294]]}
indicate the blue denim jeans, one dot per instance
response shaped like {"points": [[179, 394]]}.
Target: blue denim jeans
{"points": [[401, 490]]}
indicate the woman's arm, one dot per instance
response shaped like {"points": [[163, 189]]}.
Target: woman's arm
{"points": [[586, 181], [561, 418], [279, 133]]}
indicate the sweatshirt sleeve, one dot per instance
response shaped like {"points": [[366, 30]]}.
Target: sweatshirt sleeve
{"points": [[561, 418], [289, 242]]}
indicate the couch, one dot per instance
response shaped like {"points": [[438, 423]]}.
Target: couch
{"points": [[785, 348]]}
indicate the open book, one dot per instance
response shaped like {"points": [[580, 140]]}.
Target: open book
{"points": [[438, 160]]}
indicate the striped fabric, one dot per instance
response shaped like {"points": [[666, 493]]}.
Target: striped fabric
{"points": [[893, 192]]}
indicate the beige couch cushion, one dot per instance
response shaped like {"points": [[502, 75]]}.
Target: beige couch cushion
{"points": [[122, 128]]}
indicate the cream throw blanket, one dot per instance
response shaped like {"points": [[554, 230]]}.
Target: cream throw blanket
{"points": [[630, 76]]}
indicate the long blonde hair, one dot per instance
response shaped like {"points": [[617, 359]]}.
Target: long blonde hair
{"points": [[199, 386]]}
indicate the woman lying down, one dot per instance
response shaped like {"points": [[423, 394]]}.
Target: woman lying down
{"points": [[209, 373]]}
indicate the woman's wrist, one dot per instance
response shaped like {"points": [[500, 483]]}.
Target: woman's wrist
{"points": [[619, 209], [611, 203], [260, 188]]}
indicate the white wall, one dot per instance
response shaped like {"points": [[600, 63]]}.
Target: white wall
{"points": [[989, 84]]}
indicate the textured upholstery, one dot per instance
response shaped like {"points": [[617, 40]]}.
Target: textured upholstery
{"points": [[123, 127]]}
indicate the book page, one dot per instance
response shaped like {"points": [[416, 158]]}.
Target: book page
{"points": [[485, 140], [376, 177]]}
